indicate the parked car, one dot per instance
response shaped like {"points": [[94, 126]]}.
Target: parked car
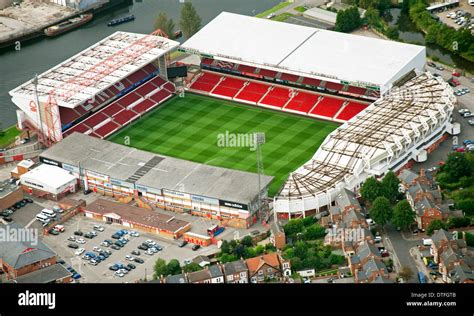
{"points": [[456, 74], [81, 241], [431, 64], [131, 266], [115, 247], [71, 238], [78, 233], [73, 246], [183, 243], [471, 122], [79, 251], [139, 260], [99, 228], [135, 252], [143, 247], [196, 247], [53, 232], [113, 268]]}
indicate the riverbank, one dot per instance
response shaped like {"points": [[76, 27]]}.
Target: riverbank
{"points": [[29, 19], [8, 136]]}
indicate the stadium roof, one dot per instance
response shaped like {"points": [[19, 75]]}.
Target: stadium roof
{"points": [[122, 163], [372, 137], [119, 55], [304, 50]]}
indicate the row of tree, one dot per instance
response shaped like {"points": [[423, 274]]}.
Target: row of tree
{"points": [[190, 22], [460, 42], [173, 267], [244, 249], [304, 228]]}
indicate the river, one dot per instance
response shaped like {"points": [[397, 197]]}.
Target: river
{"points": [[409, 33], [16, 67]]}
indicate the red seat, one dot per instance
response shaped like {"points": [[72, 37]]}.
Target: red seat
{"points": [[80, 128], [229, 87], [328, 106], [356, 90], [289, 77], [144, 106], [206, 61], [160, 95], [302, 102], [268, 73], [145, 89], [170, 87], [277, 97], [124, 117], [206, 82], [112, 109], [245, 68], [128, 99], [158, 81], [333, 86], [311, 82], [252, 92], [351, 109], [107, 129], [95, 119], [68, 115]]}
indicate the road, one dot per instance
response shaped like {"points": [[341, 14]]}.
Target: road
{"points": [[400, 248]]}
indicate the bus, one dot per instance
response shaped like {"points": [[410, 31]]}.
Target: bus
{"points": [[42, 218], [48, 213], [422, 277]]}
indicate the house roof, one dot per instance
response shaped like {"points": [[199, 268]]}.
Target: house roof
{"points": [[45, 275], [202, 260], [366, 249], [235, 267], [381, 279], [461, 273], [271, 259], [407, 176], [424, 204], [347, 198], [351, 216], [19, 254], [374, 265], [215, 271], [198, 276], [440, 235], [178, 278]]}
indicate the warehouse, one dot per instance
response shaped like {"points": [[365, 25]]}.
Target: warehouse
{"points": [[173, 184], [48, 181], [136, 218]]}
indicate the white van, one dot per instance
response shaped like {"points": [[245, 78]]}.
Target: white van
{"points": [[42, 218], [427, 242], [48, 213]]}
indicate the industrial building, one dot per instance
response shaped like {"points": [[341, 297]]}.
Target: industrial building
{"points": [[169, 183]]}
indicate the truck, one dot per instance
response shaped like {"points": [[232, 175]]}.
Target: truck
{"points": [[422, 277]]}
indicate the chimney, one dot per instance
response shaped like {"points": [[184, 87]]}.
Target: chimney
{"points": [[422, 172]]}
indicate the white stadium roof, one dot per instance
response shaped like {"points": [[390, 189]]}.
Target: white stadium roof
{"points": [[304, 50], [373, 139], [105, 63]]}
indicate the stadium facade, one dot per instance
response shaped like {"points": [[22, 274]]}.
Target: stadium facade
{"points": [[402, 126]]}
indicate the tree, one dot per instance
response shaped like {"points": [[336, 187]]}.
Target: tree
{"points": [[314, 231], [371, 189], [160, 268], [381, 210], [403, 216], [348, 20], [249, 253], [247, 241], [456, 222], [390, 186], [469, 239], [225, 247], [165, 24], [173, 267], [405, 273], [293, 227], [224, 258], [436, 224], [308, 221], [190, 21], [192, 267], [456, 166], [392, 32]]}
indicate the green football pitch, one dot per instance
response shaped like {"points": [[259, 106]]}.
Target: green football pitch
{"points": [[205, 130]]}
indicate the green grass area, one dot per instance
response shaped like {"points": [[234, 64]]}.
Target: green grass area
{"points": [[301, 9], [8, 136], [282, 17], [188, 128], [274, 9]]}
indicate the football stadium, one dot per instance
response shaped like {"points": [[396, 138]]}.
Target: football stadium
{"points": [[333, 109]]}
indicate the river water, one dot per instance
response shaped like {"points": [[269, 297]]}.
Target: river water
{"points": [[16, 67], [410, 34]]}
